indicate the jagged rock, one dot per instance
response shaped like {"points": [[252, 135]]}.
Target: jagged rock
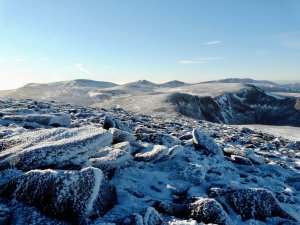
{"points": [[57, 120], [76, 196], [203, 141], [5, 214], [111, 158], [57, 146], [256, 203], [157, 152], [241, 160], [122, 136]]}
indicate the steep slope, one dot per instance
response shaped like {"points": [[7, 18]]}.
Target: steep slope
{"points": [[250, 105]]}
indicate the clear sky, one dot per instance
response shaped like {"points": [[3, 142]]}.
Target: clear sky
{"points": [[158, 40]]}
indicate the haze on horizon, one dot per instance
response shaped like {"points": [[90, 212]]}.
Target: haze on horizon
{"points": [[123, 41]]}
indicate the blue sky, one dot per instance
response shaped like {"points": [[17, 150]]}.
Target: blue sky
{"points": [[158, 40]]}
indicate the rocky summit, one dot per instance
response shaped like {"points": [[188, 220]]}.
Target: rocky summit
{"points": [[70, 164]]}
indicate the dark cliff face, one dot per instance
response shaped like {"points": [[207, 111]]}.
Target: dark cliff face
{"points": [[250, 105]]}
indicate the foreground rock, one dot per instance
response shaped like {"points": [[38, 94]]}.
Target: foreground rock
{"points": [[52, 147], [76, 196]]}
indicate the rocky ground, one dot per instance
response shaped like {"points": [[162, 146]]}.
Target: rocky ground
{"points": [[70, 164]]}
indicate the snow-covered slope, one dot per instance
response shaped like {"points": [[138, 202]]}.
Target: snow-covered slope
{"points": [[110, 166], [229, 102]]}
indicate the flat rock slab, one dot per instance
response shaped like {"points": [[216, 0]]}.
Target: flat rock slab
{"points": [[52, 147]]}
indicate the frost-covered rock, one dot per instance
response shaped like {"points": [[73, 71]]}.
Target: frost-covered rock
{"points": [[114, 157], [154, 154], [57, 120], [110, 122], [121, 136], [160, 139], [256, 203], [57, 146], [209, 211], [152, 217], [76, 196], [205, 210], [23, 214], [203, 141]]}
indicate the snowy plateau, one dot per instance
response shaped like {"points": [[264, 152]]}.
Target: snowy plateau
{"points": [[172, 153]]}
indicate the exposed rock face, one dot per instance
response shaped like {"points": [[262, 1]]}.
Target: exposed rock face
{"points": [[203, 141], [71, 195], [256, 203], [251, 105], [48, 147]]}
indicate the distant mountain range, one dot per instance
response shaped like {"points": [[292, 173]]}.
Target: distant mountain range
{"points": [[232, 101]]}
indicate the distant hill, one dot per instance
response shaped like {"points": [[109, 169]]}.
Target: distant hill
{"points": [[242, 80]]}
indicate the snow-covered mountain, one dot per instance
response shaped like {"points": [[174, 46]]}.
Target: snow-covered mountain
{"points": [[68, 164], [230, 101]]}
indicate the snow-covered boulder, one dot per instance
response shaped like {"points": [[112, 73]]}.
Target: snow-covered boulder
{"points": [[57, 120], [76, 196], [241, 160], [203, 141], [256, 203], [113, 157], [121, 136], [204, 210], [53, 147], [208, 210]]}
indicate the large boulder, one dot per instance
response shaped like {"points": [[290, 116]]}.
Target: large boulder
{"points": [[205, 142], [256, 203], [76, 196], [52, 147]]}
